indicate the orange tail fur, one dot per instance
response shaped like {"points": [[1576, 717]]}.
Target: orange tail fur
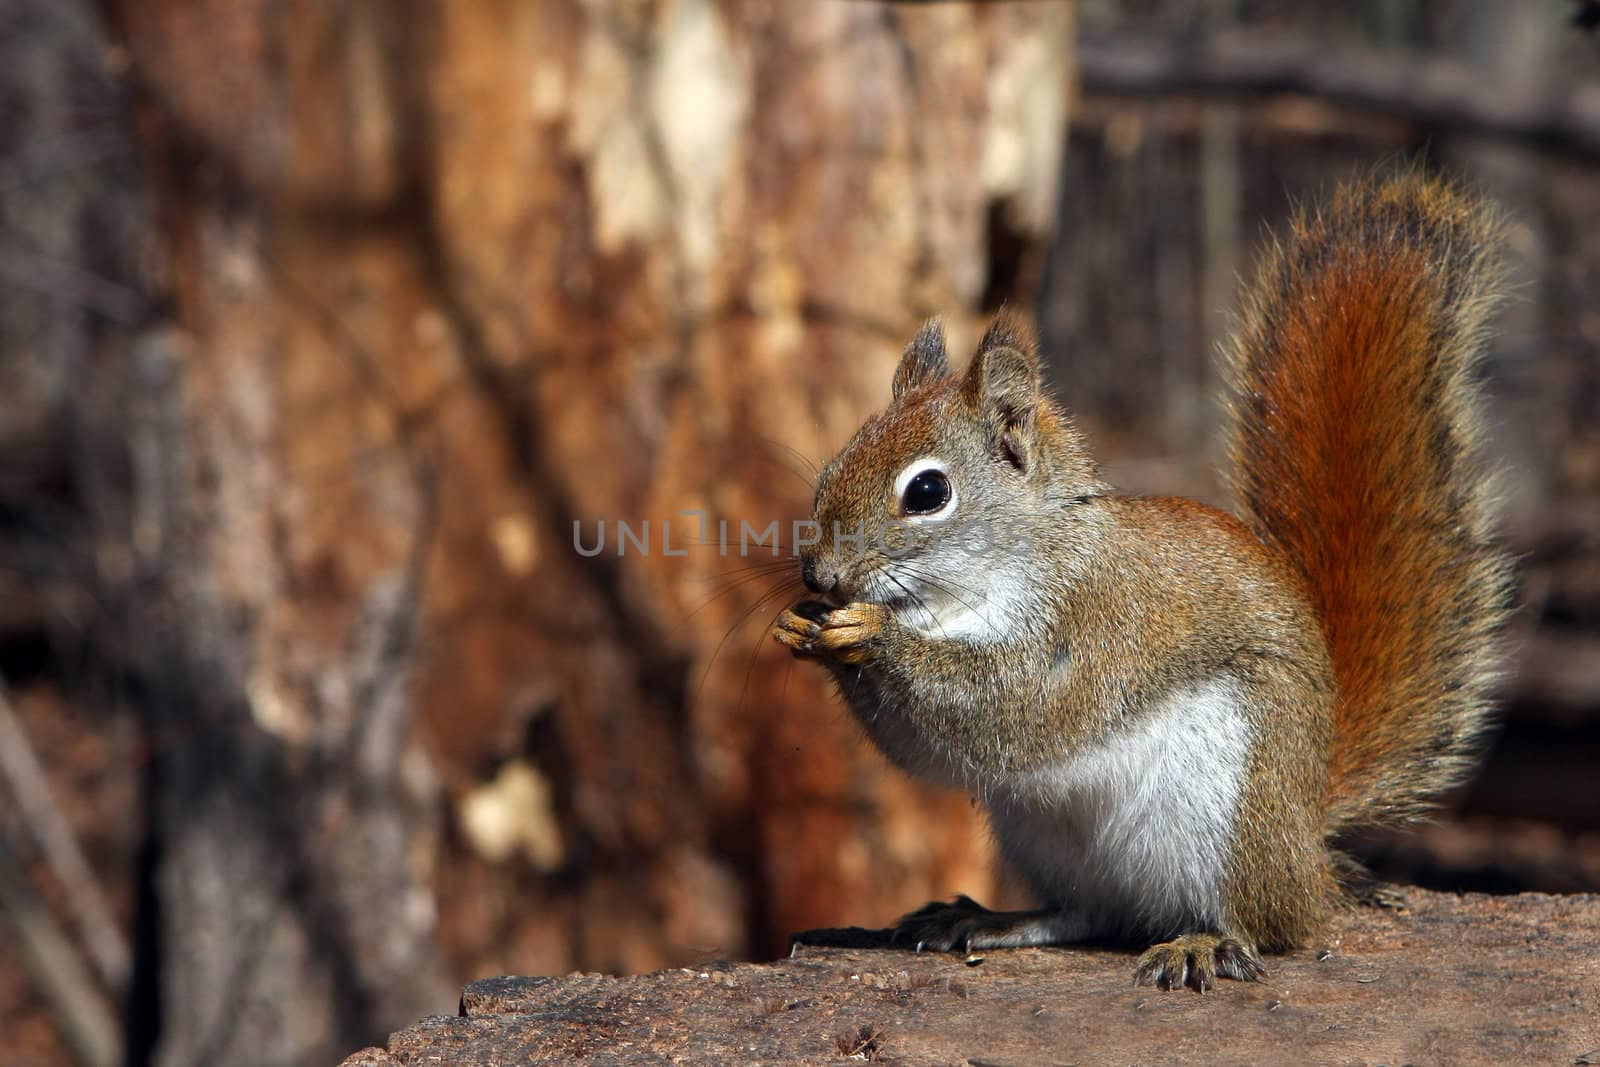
{"points": [[1355, 450]]}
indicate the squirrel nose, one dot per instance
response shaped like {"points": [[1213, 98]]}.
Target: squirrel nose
{"points": [[819, 584]]}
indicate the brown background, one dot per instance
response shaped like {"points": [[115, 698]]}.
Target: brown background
{"points": [[320, 324]]}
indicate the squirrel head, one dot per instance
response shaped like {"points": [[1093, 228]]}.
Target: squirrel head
{"points": [[947, 489]]}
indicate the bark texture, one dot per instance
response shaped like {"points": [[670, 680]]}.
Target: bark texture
{"points": [[444, 278], [1521, 989]]}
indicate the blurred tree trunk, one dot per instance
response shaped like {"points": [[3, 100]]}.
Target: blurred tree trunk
{"points": [[444, 278]]}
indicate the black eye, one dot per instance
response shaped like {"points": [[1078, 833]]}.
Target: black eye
{"points": [[927, 493]]}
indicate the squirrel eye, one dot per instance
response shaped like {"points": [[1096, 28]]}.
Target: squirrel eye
{"points": [[926, 493]]}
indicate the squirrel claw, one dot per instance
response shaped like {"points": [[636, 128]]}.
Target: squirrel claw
{"points": [[846, 632], [1196, 961], [796, 632]]}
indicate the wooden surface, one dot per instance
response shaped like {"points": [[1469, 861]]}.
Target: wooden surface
{"points": [[1458, 980]]}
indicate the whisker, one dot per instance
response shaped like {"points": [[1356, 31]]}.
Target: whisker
{"points": [[752, 570], [944, 585], [939, 584], [755, 654], [810, 464], [783, 691], [921, 603], [738, 623], [734, 586], [942, 580], [764, 567], [855, 686], [731, 544]]}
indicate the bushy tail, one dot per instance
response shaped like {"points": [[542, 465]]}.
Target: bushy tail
{"points": [[1355, 450]]}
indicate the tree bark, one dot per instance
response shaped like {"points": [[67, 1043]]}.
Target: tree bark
{"points": [[447, 278]]}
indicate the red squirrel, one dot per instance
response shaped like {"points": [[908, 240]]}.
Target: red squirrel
{"points": [[1170, 713]]}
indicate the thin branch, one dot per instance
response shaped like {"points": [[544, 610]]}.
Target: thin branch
{"points": [[20, 769], [86, 1018], [1428, 90]]}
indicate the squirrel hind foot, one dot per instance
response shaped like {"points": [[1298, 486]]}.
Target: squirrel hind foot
{"points": [[1196, 961], [964, 925]]}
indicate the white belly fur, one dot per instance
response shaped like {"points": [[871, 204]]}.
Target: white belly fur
{"points": [[1132, 836]]}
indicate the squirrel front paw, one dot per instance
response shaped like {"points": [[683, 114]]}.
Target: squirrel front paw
{"points": [[845, 634]]}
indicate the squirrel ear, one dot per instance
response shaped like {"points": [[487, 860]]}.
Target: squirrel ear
{"points": [[1003, 386], [923, 360]]}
